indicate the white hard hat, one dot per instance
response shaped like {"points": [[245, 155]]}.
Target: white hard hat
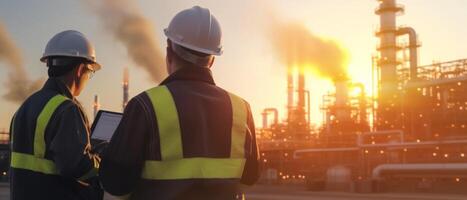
{"points": [[71, 44], [196, 29]]}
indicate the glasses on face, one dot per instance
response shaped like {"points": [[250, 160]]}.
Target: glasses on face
{"points": [[91, 71]]}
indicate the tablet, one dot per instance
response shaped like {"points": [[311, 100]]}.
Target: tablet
{"points": [[105, 124]]}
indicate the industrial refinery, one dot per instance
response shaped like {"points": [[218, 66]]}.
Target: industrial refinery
{"points": [[402, 135], [410, 136]]}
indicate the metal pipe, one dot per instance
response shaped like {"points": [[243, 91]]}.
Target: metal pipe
{"points": [[360, 146], [407, 144], [308, 105], [297, 153], [301, 91], [265, 114], [290, 93], [374, 91], [453, 169], [386, 132], [361, 102], [413, 45], [265, 119]]}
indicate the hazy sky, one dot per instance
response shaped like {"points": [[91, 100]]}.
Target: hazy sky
{"points": [[248, 66]]}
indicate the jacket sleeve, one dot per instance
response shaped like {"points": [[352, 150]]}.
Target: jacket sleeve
{"points": [[12, 124], [251, 171], [70, 146], [123, 159]]}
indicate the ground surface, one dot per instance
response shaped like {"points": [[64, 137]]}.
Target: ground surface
{"points": [[266, 192]]}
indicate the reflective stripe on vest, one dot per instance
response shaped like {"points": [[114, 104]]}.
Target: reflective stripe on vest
{"points": [[168, 123], [173, 165], [36, 162], [239, 127]]}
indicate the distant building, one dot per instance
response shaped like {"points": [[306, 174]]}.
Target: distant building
{"points": [[4, 137]]}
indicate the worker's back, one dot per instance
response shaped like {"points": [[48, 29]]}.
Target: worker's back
{"points": [[37, 139], [196, 141]]}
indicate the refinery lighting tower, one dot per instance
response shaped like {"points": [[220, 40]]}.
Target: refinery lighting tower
{"points": [[126, 78]]}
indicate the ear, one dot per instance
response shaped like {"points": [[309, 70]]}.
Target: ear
{"points": [[212, 62], [169, 55], [80, 70]]}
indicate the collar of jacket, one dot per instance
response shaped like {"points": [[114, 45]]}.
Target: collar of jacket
{"points": [[202, 74], [57, 85]]}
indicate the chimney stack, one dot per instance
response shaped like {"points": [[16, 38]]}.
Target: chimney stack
{"points": [[96, 105], [126, 82]]}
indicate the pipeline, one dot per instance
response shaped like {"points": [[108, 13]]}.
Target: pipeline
{"points": [[385, 132], [265, 114], [290, 93], [453, 169], [307, 92], [413, 49], [362, 102]]}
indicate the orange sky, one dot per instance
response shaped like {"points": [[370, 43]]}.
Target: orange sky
{"points": [[248, 66]]}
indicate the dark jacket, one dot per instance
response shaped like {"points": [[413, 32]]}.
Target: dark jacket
{"points": [[67, 145], [205, 117]]}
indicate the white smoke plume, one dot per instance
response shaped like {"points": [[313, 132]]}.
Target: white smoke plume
{"points": [[127, 24], [18, 84], [295, 45]]}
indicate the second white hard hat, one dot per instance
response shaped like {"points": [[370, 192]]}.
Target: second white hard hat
{"points": [[71, 43], [196, 29]]}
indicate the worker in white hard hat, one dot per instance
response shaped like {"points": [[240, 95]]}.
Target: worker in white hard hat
{"points": [[51, 155], [186, 138]]}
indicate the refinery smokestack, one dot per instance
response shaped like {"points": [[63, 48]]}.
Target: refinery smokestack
{"points": [[96, 105], [126, 85], [342, 99], [290, 92], [301, 90], [127, 23], [387, 11], [388, 63]]}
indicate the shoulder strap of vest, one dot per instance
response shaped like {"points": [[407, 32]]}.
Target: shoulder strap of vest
{"points": [[43, 121], [167, 120], [37, 162], [239, 126]]}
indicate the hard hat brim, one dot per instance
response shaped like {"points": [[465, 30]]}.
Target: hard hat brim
{"points": [[192, 47], [95, 66]]}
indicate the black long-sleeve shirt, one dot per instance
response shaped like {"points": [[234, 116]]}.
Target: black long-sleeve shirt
{"points": [[204, 110]]}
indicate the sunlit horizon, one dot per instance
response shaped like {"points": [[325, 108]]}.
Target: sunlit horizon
{"points": [[248, 67]]}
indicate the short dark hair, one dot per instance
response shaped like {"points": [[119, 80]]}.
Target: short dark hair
{"points": [[62, 65]]}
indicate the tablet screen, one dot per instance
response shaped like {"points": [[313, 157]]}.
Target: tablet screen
{"points": [[105, 125]]}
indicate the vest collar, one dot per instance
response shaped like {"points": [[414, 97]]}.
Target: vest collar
{"points": [[57, 85], [202, 74]]}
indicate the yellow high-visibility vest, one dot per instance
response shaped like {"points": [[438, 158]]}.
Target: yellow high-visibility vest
{"points": [[173, 165], [36, 162]]}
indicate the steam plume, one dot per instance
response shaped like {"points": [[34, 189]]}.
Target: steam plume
{"points": [[297, 46], [18, 84], [128, 25]]}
